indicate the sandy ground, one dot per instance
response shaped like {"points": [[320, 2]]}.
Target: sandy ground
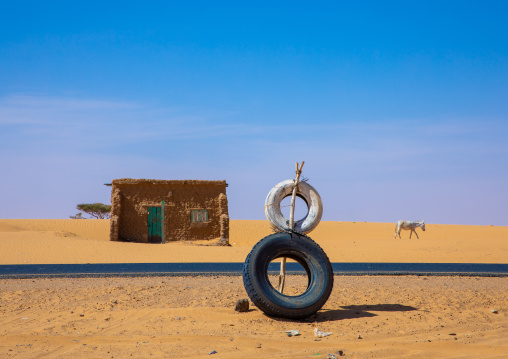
{"points": [[176, 317], [191, 317], [87, 241]]}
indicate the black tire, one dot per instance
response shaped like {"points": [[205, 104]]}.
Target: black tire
{"points": [[311, 257]]}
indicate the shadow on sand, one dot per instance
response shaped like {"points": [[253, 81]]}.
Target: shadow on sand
{"points": [[350, 312], [359, 311]]}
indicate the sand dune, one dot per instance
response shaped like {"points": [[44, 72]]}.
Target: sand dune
{"points": [[87, 241]]}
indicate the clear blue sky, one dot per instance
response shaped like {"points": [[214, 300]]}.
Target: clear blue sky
{"points": [[398, 108]]}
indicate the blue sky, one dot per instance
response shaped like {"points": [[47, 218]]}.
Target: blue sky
{"points": [[399, 109]]}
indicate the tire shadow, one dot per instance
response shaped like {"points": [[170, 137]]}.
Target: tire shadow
{"points": [[357, 311]]}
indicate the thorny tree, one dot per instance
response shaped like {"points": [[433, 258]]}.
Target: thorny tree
{"points": [[97, 210]]}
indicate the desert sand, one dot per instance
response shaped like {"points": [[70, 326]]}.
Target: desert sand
{"points": [[175, 317], [40, 241]]}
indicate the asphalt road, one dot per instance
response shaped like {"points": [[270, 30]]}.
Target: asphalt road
{"points": [[179, 269]]}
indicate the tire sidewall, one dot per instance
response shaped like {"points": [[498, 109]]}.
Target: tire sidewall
{"points": [[304, 191]]}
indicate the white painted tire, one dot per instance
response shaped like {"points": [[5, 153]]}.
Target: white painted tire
{"points": [[306, 192]]}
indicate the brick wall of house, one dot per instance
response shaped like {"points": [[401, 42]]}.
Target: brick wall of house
{"points": [[130, 199]]}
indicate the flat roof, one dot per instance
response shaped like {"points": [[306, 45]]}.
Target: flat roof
{"points": [[133, 181]]}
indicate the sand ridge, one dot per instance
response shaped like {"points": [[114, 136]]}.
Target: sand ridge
{"points": [[87, 241]]}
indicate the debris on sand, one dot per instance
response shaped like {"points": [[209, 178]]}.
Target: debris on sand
{"points": [[320, 334], [291, 333]]}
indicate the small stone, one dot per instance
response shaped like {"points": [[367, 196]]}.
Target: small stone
{"points": [[340, 352], [212, 352], [359, 337], [495, 311], [242, 305]]}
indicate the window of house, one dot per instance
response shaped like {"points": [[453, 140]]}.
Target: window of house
{"points": [[199, 215]]}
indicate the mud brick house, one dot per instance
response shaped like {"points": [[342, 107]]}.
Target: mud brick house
{"points": [[158, 211]]}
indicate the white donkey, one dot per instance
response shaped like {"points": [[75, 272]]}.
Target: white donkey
{"points": [[407, 225]]}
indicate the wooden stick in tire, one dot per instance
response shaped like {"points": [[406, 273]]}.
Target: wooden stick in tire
{"points": [[282, 275]]}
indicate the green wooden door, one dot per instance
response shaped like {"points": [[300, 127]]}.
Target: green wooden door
{"points": [[155, 219]]}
